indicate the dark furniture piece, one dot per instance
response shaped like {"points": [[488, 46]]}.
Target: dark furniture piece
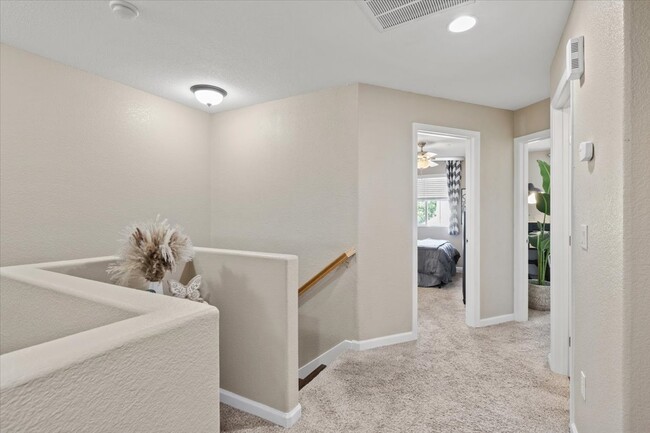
{"points": [[532, 253], [464, 252]]}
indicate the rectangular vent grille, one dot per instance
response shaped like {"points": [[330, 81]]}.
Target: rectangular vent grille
{"points": [[575, 57], [574, 46], [387, 14]]}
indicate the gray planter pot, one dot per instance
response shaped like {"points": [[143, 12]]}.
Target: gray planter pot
{"points": [[539, 297]]}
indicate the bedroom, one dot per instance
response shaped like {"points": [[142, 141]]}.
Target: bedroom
{"points": [[441, 210]]}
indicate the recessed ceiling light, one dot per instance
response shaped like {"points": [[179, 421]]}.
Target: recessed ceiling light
{"points": [[462, 24], [208, 95], [124, 9]]}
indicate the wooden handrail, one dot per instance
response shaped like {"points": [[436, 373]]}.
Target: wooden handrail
{"points": [[326, 270]]}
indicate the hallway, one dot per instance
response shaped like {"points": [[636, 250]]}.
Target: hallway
{"points": [[453, 379]]}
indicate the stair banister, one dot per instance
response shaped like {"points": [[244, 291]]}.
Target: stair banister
{"points": [[343, 258]]}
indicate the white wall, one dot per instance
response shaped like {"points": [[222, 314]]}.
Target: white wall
{"points": [[528, 120], [277, 209], [443, 232], [257, 297], [284, 180], [311, 175], [607, 339], [98, 357], [535, 177], [264, 286], [386, 118], [81, 157], [636, 199], [326, 181], [533, 118], [31, 315]]}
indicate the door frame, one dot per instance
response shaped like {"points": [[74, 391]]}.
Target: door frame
{"points": [[520, 269], [561, 230], [473, 220], [562, 294]]}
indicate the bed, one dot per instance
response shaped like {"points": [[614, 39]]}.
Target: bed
{"points": [[436, 262]]}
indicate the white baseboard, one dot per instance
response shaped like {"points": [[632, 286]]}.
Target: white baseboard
{"points": [[459, 269], [383, 341], [496, 320], [283, 419], [326, 358], [358, 345], [573, 427]]}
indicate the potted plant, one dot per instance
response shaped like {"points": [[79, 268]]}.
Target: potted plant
{"points": [[539, 290], [149, 251]]}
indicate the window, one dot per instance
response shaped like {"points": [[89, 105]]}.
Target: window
{"points": [[432, 213], [433, 204]]}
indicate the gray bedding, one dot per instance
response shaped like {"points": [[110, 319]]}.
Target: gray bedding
{"points": [[436, 262]]}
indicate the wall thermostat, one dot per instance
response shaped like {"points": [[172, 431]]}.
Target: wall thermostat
{"points": [[586, 151]]}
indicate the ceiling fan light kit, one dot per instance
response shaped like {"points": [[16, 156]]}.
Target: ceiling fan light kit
{"points": [[425, 159]]}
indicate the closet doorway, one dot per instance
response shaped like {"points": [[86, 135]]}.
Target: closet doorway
{"points": [[468, 214]]}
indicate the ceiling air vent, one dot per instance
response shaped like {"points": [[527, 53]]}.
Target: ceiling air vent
{"points": [[388, 14]]}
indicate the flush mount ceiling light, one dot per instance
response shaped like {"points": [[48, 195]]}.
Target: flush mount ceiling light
{"points": [[425, 159], [208, 95], [124, 9], [462, 24]]}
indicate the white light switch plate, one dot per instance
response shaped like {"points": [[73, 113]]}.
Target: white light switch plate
{"points": [[583, 385], [584, 237]]}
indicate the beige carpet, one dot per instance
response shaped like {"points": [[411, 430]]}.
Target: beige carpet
{"points": [[453, 379]]}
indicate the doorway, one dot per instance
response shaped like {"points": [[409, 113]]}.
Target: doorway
{"points": [[528, 149], [560, 135], [471, 256]]}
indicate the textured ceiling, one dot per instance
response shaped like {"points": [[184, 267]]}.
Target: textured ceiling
{"points": [[264, 50]]}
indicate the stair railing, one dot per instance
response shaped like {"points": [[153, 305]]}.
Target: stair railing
{"points": [[343, 258]]}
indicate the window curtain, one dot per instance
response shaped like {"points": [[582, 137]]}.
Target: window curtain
{"points": [[453, 191]]}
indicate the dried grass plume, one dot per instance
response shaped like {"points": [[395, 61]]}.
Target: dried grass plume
{"points": [[149, 250]]}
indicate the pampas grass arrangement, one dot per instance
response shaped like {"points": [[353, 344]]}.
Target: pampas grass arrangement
{"points": [[149, 250]]}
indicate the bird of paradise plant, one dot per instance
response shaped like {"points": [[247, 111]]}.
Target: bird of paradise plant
{"points": [[542, 239]]}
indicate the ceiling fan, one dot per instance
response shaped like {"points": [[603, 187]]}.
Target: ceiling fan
{"points": [[425, 159]]}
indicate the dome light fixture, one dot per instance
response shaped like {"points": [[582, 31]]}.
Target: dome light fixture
{"points": [[208, 95], [124, 10], [462, 24], [532, 193]]}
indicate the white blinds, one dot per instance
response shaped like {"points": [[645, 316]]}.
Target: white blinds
{"points": [[432, 187]]}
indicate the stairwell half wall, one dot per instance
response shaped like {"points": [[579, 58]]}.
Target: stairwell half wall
{"points": [[284, 180]]}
